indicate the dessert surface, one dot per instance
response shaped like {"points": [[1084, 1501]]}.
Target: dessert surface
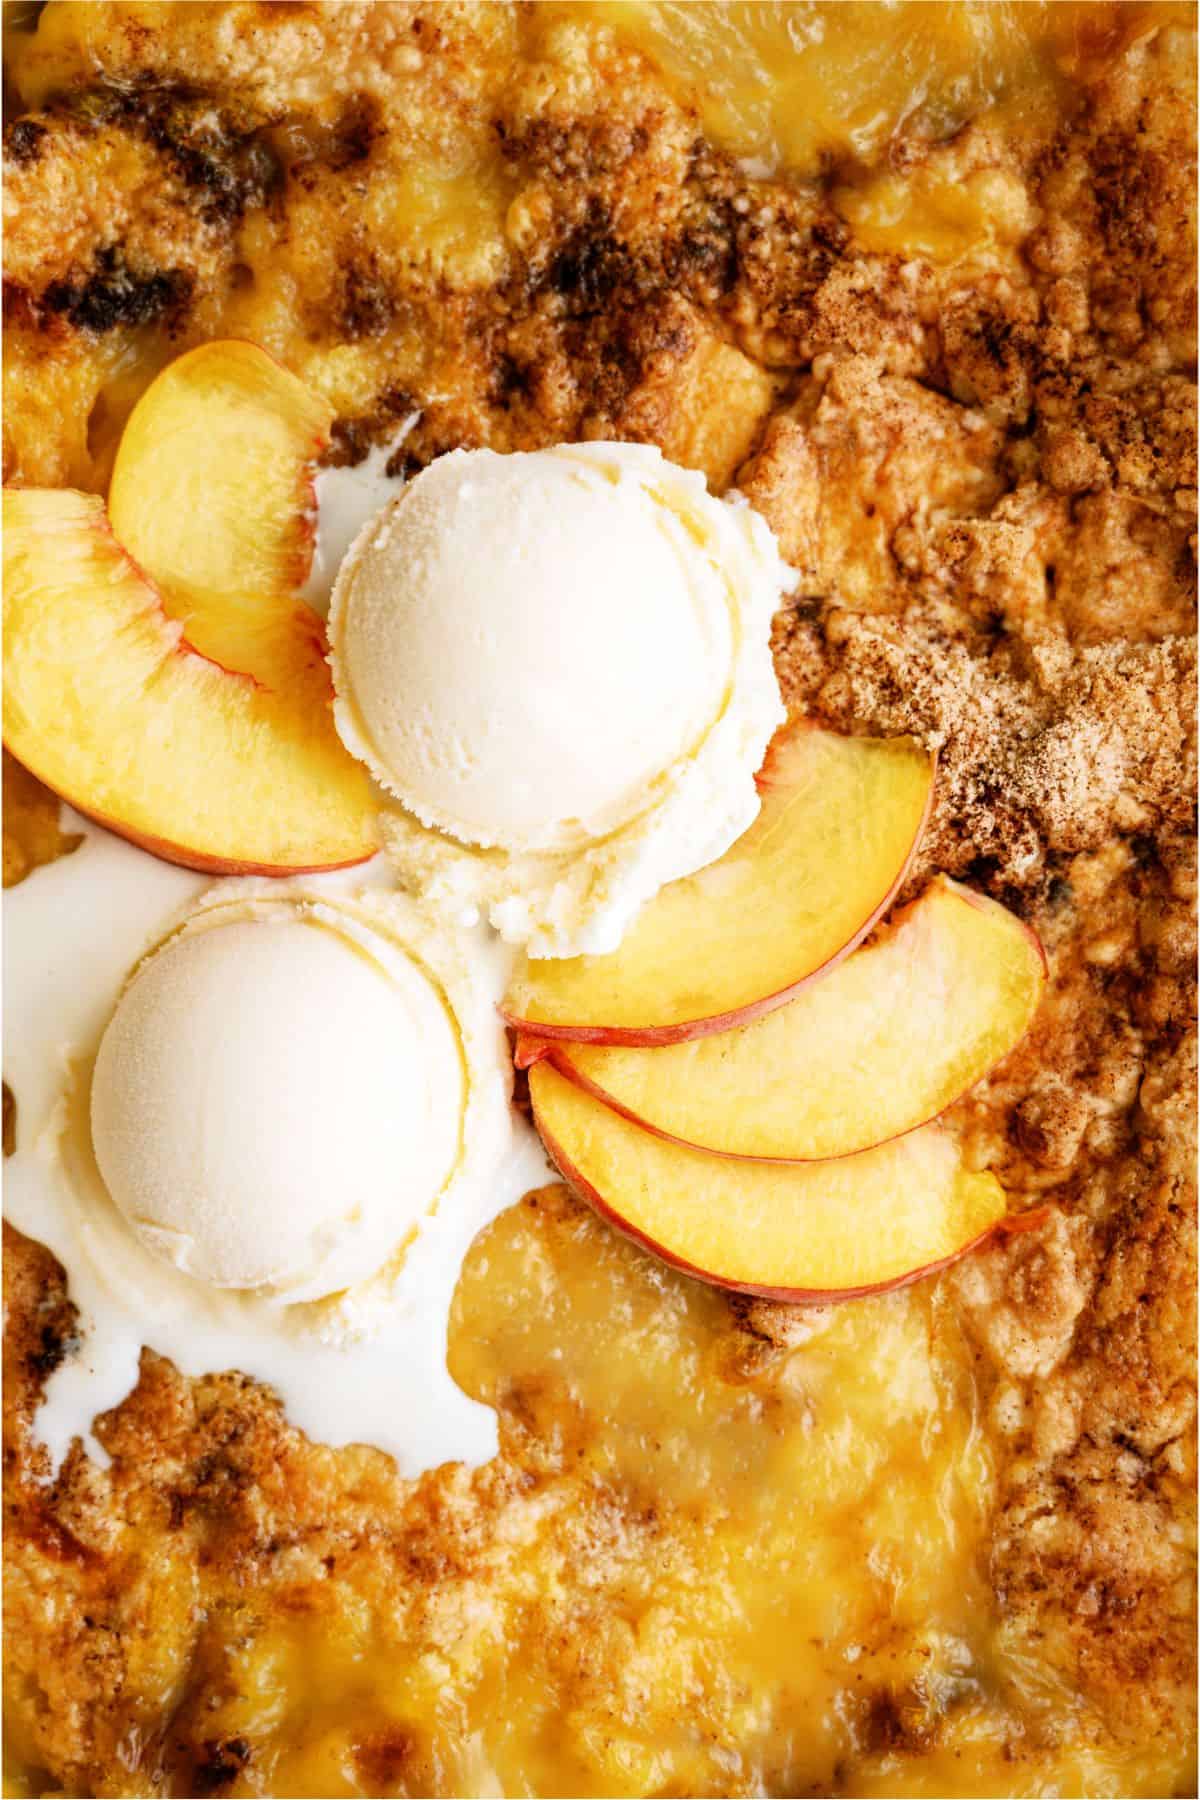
{"points": [[942, 335]]}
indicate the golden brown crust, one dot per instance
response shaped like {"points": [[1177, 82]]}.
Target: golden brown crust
{"points": [[1039, 646], [984, 471]]}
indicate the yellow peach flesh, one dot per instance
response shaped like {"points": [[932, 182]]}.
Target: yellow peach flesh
{"points": [[107, 703], [839, 821], [212, 498], [815, 1231], [885, 1042]]}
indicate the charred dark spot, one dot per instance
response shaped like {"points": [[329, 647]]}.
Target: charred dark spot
{"points": [[223, 1762], [403, 464], [590, 270], [997, 335], [395, 403], [510, 381], [55, 1344], [705, 254], [10, 1120], [225, 160], [23, 140], [1059, 894], [349, 442], [807, 609], [365, 306], [352, 437], [114, 294], [592, 265], [358, 127], [1145, 850], [233, 172], [95, 107], [982, 872]]}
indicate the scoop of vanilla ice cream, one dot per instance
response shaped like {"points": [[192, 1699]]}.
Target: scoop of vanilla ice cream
{"points": [[277, 1100], [560, 656], [501, 636]]}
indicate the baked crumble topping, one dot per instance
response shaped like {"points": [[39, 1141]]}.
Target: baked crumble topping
{"points": [[984, 467]]}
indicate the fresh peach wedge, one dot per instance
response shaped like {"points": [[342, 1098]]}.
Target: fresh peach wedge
{"points": [[839, 822], [108, 703], [797, 1232], [887, 1041], [212, 497]]}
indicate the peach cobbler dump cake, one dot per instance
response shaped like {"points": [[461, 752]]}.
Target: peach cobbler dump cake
{"points": [[918, 283]]}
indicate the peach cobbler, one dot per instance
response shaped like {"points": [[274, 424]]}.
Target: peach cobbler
{"points": [[599, 805]]}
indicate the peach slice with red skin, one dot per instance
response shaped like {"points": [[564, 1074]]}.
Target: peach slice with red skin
{"points": [[162, 675], [799, 1232], [836, 831], [884, 1043], [212, 497], [108, 703]]}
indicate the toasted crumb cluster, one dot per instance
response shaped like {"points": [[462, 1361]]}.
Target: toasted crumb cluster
{"points": [[1072, 798], [984, 469], [998, 538]]}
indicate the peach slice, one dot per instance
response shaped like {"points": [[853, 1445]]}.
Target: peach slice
{"points": [[799, 1231], [887, 1041], [839, 822], [212, 497], [108, 703]]}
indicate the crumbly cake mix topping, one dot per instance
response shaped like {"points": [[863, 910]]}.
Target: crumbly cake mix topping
{"points": [[973, 434]]}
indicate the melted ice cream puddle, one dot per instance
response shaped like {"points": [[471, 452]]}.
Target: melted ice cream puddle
{"points": [[346, 499], [368, 1367]]}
